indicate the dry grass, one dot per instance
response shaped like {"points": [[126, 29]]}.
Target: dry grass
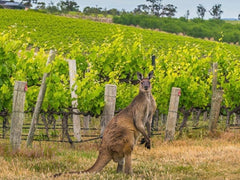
{"points": [[208, 158]]}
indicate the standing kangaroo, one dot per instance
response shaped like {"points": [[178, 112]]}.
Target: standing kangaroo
{"points": [[123, 130]]}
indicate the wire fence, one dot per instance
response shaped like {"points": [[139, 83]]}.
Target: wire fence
{"points": [[54, 131]]}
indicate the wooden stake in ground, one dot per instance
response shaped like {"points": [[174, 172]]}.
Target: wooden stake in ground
{"points": [[73, 87], [86, 120], [216, 101], [39, 101], [109, 108], [215, 110], [172, 114], [17, 118]]}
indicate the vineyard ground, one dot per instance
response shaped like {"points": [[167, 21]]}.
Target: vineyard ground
{"points": [[184, 158]]}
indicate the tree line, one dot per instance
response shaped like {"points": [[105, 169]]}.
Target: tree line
{"points": [[151, 7], [213, 29]]}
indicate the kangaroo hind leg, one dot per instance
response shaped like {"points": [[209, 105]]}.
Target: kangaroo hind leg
{"points": [[128, 164], [120, 166]]}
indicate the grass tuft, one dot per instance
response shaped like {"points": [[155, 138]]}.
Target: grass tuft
{"points": [[30, 153]]}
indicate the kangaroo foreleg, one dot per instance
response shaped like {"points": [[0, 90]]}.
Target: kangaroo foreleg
{"points": [[149, 125], [141, 129]]}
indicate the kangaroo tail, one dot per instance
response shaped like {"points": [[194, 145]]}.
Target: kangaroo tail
{"points": [[71, 172], [100, 163]]}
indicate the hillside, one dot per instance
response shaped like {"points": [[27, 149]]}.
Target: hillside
{"points": [[211, 29], [54, 31]]}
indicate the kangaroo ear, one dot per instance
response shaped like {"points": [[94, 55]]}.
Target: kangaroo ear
{"points": [[150, 75], [139, 76]]}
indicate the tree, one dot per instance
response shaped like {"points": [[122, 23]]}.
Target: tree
{"points": [[239, 17], [169, 10], [68, 5], [52, 8], [41, 5], [155, 7], [216, 11], [141, 9], [113, 12], [187, 14], [201, 11], [92, 10], [28, 3]]}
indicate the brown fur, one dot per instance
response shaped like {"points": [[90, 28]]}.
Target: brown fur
{"points": [[123, 130]]}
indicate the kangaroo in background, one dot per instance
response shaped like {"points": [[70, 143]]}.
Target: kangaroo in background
{"points": [[123, 130]]}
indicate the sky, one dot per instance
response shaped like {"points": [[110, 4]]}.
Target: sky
{"points": [[230, 8]]}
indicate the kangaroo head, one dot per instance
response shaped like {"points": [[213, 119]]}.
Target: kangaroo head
{"points": [[145, 84]]}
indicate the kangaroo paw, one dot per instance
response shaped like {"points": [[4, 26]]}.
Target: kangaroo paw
{"points": [[148, 145], [142, 141]]}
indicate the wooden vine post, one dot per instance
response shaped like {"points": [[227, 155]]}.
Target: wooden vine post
{"points": [[215, 102], [86, 120], [172, 114], [109, 108], [73, 87], [17, 117], [39, 102]]}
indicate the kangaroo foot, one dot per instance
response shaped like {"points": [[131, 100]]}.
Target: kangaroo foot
{"points": [[148, 144]]}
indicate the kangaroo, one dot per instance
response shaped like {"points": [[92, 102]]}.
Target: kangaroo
{"points": [[123, 130]]}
